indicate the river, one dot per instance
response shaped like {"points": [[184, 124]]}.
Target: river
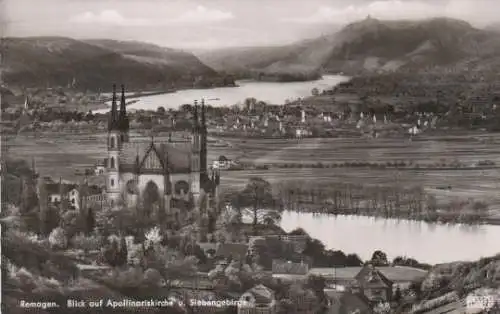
{"points": [[427, 243], [270, 92]]}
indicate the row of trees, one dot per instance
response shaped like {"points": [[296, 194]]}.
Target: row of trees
{"points": [[382, 165], [394, 201]]}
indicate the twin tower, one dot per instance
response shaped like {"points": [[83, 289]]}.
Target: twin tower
{"points": [[159, 164]]}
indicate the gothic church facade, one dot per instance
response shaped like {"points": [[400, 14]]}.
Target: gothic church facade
{"points": [[165, 174]]}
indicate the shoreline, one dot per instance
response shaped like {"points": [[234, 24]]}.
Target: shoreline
{"points": [[137, 95], [488, 221]]}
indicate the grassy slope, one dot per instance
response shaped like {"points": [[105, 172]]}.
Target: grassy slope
{"points": [[370, 45], [55, 61]]}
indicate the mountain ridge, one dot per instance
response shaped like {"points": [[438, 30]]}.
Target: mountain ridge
{"points": [[94, 64], [369, 45]]}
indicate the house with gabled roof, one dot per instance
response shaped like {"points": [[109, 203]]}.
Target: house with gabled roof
{"points": [[373, 284]]}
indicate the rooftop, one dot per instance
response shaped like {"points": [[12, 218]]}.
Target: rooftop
{"points": [[393, 273]]}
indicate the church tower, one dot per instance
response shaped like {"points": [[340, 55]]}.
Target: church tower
{"points": [[203, 149], [195, 155], [118, 126], [123, 122]]}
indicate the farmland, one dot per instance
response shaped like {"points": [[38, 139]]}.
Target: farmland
{"points": [[61, 154]]}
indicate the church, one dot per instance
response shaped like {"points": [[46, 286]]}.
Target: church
{"points": [[162, 174]]}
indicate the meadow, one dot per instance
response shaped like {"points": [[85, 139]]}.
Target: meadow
{"points": [[61, 154]]}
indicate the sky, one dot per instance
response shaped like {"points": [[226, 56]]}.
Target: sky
{"points": [[207, 24]]}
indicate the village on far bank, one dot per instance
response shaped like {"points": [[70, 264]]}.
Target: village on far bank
{"points": [[163, 227]]}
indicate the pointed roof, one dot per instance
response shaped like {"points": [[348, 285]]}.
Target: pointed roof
{"points": [[113, 115], [369, 276], [152, 159], [123, 122], [196, 122], [203, 118], [174, 155]]}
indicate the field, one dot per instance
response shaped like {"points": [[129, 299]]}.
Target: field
{"points": [[61, 154]]}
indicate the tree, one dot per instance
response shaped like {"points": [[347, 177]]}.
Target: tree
{"points": [[379, 258], [122, 254], [161, 110], [298, 231], [315, 91], [58, 239], [49, 219], [89, 221], [258, 196], [353, 260], [111, 253], [28, 197], [71, 223]]}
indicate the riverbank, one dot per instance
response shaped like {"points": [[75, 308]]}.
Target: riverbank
{"points": [[439, 219], [388, 202]]}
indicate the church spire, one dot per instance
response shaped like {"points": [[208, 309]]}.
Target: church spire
{"points": [[203, 120], [123, 109], [203, 152], [123, 119], [113, 117], [196, 122]]}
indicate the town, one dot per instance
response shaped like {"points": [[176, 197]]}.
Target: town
{"points": [[250, 157], [385, 105], [162, 227]]}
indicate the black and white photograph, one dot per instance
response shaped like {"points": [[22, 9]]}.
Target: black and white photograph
{"points": [[250, 156]]}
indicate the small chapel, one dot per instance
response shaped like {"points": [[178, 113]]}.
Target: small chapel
{"points": [[164, 174]]}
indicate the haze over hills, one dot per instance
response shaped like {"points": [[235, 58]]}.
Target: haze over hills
{"points": [[371, 45], [368, 45], [95, 64]]}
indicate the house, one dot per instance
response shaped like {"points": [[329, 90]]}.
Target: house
{"points": [[74, 198], [92, 196], [231, 251], [345, 276], [77, 196], [100, 168], [346, 302], [258, 300], [301, 132], [304, 301], [299, 242], [288, 267], [373, 284], [198, 282], [222, 163], [56, 192]]}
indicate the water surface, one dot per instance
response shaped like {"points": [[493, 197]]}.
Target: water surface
{"points": [[270, 92], [427, 243]]}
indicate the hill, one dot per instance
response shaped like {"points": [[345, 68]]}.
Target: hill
{"points": [[302, 59], [95, 64], [462, 277], [372, 45]]}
